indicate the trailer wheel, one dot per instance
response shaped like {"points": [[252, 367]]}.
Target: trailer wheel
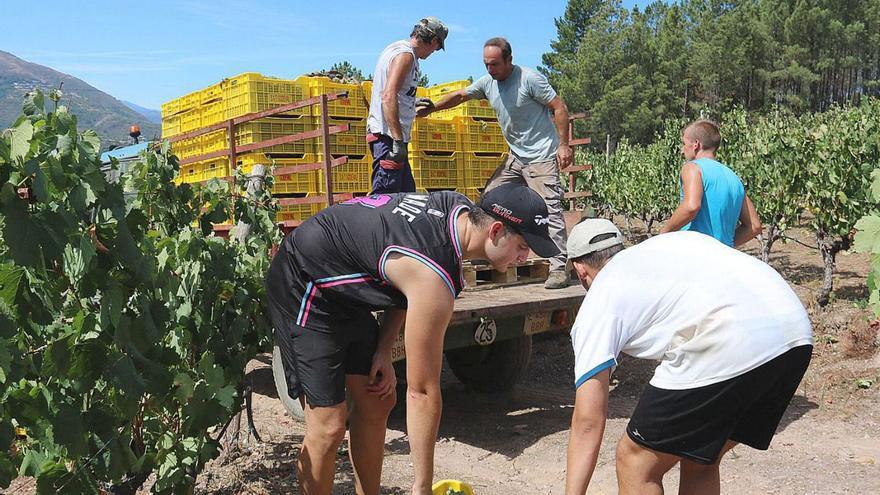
{"points": [[492, 368], [293, 407]]}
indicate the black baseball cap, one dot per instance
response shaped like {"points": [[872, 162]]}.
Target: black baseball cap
{"points": [[525, 211]]}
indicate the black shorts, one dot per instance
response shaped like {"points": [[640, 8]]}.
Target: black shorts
{"points": [[696, 423], [316, 362]]}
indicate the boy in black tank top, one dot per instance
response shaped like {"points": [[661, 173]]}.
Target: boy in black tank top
{"points": [[401, 253]]}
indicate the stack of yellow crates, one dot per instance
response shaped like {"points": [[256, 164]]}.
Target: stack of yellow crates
{"points": [[480, 146], [458, 148]]}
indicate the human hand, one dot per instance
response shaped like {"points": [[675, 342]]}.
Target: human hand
{"points": [[424, 106], [382, 377], [564, 156], [398, 151]]}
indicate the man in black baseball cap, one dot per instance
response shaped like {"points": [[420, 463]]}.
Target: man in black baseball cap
{"points": [[402, 254], [524, 210]]}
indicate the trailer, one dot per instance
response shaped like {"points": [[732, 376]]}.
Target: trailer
{"points": [[488, 341]]}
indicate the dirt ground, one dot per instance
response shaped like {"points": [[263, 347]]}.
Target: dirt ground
{"points": [[515, 443]]}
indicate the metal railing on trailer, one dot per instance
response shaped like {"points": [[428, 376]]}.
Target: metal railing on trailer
{"points": [[327, 164]]}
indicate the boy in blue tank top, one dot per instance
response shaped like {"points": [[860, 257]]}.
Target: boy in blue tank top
{"points": [[713, 199]]}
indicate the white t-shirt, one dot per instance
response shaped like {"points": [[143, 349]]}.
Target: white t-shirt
{"points": [[706, 311]]}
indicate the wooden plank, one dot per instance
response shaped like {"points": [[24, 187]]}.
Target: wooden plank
{"points": [[257, 115], [505, 302], [312, 199], [579, 141], [483, 276], [300, 136], [306, 167]]}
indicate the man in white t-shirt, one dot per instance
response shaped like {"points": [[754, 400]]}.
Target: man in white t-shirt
{"points": [[732, 338]]}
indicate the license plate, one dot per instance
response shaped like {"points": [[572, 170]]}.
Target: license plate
{"points": [[536, 323], [398, 351]]}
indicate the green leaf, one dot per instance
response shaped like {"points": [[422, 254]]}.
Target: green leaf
{"points": [[122, 458], [19, 231], [185, 386], [68, 428], [10, 278], [33, 103], [867, 238], [58, 357], [32, 463], [21, 139], [875, 184], [56, 479], [90, 141], [114, 304]]}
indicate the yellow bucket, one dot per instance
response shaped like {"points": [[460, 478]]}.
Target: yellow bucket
{"points": [[444, 486]]}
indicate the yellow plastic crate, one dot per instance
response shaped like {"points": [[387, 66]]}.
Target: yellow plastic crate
{"points": [[171, 126], [303, 182], [298, 212], [435, 171], [440, 90], [252, 92], [480, 109], [473, 193], [217, 168], [190, 121], [478, 168], [434, 135], [186, 102], [472, 108], [351, 142], [187, 148], [261, 130], [211, 93], [367, 87], [353, 177], [353, 106], [480, 136]]}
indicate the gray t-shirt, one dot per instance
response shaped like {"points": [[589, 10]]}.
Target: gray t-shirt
{"points": [[406, 96], [520, 102]]}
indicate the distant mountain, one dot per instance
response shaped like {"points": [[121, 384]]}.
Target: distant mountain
{"points": [[94, 109], [154, 116]]}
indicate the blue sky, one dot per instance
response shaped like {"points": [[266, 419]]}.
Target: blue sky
{"points": [[149, 53]]}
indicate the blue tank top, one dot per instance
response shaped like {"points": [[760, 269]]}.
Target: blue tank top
{"points": [[723, 194]]}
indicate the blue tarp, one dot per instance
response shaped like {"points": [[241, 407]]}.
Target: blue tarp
{"points": [[125, 153]]}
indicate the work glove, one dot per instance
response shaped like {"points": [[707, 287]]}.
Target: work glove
{"points": [[398, 151], [424, 104]]}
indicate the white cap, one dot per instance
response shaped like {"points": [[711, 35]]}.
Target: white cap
{"points": [[580, 240]]}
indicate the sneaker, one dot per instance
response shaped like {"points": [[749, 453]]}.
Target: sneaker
{"points": [[558, 279]]}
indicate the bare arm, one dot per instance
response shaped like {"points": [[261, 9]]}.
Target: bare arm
{"points": [[450, 100], [429, 309], [560, 118], [587, 428], [749, 223], [382, 378], [397, 71], [692, 185]]}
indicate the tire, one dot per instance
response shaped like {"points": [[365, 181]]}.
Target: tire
{"points": [[492, 368], [293, 407]]}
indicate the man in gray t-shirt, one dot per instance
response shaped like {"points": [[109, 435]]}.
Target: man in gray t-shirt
{"points": [[538, 140]]}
